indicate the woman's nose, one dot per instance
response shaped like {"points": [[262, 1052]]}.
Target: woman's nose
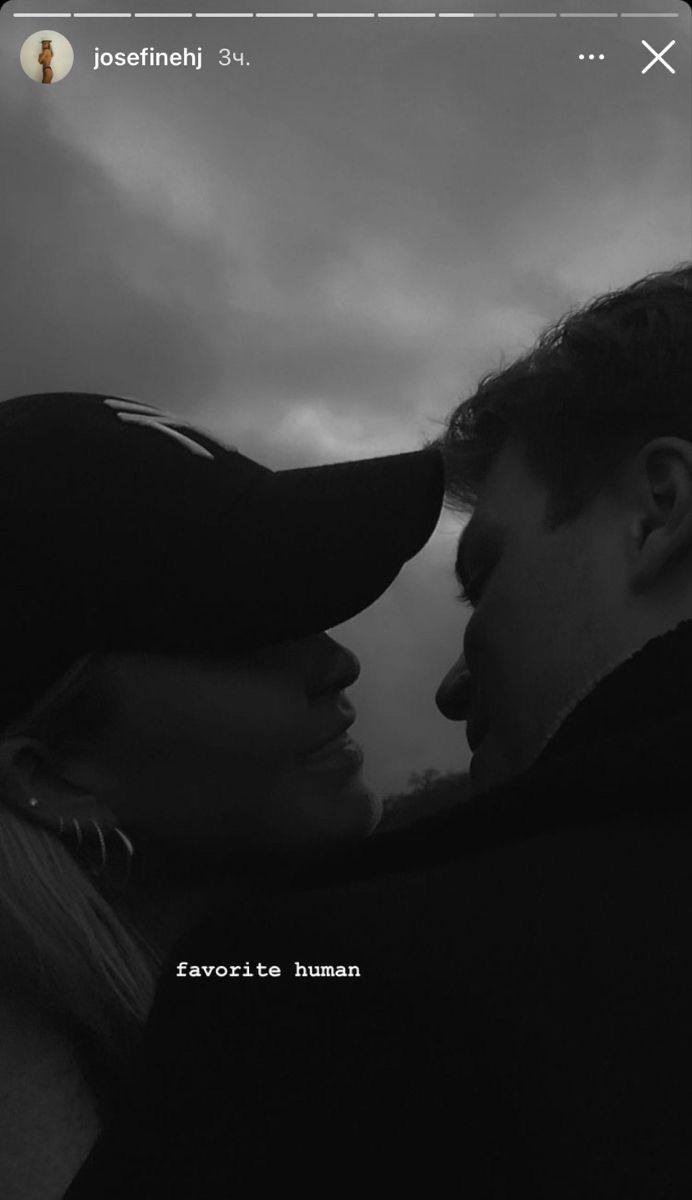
{"points": [[455, 693], [335, 667]]}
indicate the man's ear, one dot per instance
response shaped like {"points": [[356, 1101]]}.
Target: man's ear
{"points": [[661, 477]]}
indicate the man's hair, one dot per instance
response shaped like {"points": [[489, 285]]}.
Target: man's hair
{"points": [[597, 385]]}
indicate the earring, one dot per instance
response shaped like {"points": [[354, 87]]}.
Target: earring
{"points": [[33, 803], [101, 869], [128, 844], [96, 870], [130, 852]]}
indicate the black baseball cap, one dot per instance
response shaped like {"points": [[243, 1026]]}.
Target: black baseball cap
{"points": [[124, 528]]}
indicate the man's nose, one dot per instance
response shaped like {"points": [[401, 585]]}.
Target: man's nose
{"points": [[455, 693]]}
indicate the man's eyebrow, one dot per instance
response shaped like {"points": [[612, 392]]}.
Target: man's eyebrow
{"points": [[475, 540], [460, 566]]}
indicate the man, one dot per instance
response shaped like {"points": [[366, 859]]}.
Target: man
{"points": [[521, 1023]]}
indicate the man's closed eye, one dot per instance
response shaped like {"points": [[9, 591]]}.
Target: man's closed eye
{"points": [[470, 592]]}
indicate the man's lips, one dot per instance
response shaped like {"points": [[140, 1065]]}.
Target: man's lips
{"points": [[476, 729]]}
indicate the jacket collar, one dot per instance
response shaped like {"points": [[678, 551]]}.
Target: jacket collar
{"points": [[652, 684], [624, 751]]}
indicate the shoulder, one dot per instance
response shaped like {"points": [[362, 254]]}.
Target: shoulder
{"points": [[50, 1116], [439, 905]]}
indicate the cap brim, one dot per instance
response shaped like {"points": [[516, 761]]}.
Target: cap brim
{"points": [[334, 538]]}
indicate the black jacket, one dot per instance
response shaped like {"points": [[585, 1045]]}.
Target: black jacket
{"points": [[522, 1022]]}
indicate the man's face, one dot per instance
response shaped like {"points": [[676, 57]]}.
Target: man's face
{"points": [[548, 617]]}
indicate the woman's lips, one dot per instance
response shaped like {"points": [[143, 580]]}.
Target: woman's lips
{"points": [[341, 752], [329, 743]]}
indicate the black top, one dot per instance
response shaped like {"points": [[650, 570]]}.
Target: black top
{"points": [[522, 1022]]}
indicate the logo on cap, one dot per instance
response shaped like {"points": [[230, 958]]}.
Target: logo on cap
{"points": [[135, 412]]}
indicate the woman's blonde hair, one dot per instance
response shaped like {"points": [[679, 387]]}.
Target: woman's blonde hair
{"points": [[67, 950]]}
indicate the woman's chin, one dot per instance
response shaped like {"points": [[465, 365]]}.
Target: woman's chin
{"points": [[347, 816], [376, 812], [360, 809]]}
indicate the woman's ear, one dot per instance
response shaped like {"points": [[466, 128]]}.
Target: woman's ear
{"points": [[661, 479], [29, 771]]}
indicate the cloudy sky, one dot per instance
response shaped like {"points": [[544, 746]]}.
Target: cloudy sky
{"points": [[316, 255]]}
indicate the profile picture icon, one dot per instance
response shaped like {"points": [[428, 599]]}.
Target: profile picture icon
{"points": [[46, 56]]}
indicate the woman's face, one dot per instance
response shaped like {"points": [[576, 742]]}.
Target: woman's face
{"points": [[219, 756]]}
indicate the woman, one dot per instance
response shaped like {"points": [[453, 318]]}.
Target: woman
{"points": [[45, 58], [173, 720]]}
